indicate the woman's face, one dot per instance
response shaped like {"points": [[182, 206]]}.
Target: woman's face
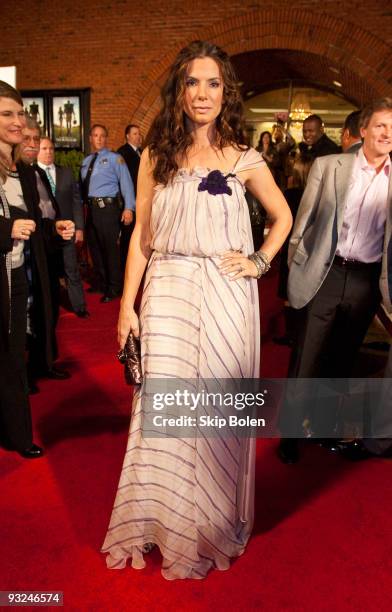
{"points": [[203, 91], [12, 121], [266, 139]]}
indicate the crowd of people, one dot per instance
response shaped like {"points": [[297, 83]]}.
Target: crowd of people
{"points": [[336, 259], [191, 241], [54, 217]]}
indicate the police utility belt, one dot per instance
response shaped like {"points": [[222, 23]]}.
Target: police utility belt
{"points": [[106, 202]]}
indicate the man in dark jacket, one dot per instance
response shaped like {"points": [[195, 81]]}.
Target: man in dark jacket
{"points": [[351, 140], [27, 153], [130, 151], [66, 192], [316, 143]]}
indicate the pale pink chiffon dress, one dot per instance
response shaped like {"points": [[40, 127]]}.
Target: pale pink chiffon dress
{"points": [[193, 498]]}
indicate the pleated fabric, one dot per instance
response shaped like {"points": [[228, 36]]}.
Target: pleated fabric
{"points": [[192, 497]]}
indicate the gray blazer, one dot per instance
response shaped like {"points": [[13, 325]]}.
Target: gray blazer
{"points": [[68, 196], [317, 227]]}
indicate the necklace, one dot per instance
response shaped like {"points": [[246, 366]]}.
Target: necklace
{"points": [[8, 169], [12, 173]]}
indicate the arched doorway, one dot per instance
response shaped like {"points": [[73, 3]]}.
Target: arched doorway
{"points": [[263, 110], [299, 82], [310, 38]]}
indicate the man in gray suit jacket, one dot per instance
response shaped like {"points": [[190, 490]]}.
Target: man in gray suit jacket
{"points": [[338, 258], [66, 192]]}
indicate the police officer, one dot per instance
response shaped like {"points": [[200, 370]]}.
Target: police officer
{"points": [[105, 178]]}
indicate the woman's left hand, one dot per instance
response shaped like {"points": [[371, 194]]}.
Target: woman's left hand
{"points": [[236, 265], [65, 229]]}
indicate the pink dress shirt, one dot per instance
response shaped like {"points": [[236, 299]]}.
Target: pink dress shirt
{"points": [[362, 234]]}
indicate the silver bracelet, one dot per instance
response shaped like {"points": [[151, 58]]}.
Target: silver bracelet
{"points": [[253, 257], [261, 266], [265, 259]]}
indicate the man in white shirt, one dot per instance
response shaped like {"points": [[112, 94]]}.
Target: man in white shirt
{"points": [[66, 192], [338, 258]]}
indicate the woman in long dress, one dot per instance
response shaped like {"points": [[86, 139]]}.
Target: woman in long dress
{"points": [[193, 497]]}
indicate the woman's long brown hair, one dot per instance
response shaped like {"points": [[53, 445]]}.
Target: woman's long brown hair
{"points": [[168, 139]]}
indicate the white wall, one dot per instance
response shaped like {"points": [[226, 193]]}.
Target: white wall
{"points": [[8, 74]]}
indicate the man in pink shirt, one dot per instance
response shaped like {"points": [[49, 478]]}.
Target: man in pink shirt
{"points": [[338, 258]]}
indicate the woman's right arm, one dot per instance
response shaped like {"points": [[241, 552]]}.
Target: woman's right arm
{"points": [[139, 250]]}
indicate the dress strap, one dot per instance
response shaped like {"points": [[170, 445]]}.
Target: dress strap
{"points": [[248, 160]]}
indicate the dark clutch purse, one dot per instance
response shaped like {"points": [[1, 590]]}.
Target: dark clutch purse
{"points": [[130, 357]]}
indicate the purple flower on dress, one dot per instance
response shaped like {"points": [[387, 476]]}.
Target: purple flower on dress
{"points": [[215, 183]]}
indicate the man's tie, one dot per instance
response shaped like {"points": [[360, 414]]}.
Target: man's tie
{"points": [[50, 179]]}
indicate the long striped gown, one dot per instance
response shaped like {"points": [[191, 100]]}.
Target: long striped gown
{"points": [[192, 497]]}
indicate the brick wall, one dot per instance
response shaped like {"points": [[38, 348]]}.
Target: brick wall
{"points": [[122, 49]]}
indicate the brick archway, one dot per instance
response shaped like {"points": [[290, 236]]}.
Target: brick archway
{"points": [[342, 43]]}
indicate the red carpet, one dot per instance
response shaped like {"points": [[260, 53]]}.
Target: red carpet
{"points": [[322, 537]]}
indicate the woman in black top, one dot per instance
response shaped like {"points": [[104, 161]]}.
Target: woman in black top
{"points": [[24, 286]]}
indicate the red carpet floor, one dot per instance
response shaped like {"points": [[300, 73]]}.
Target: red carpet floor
{"points": [[322, 537]]}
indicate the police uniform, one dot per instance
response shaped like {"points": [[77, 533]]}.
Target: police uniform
{"points": [[108, 181]]}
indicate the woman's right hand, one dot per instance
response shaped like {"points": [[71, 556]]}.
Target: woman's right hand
{"points": [[22, 229], [127, 321]]}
